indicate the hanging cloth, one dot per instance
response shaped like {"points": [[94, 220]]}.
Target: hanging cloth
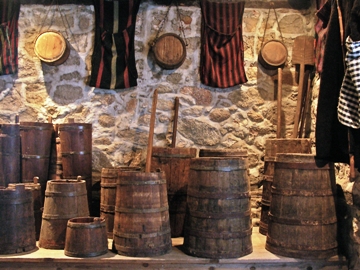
{"points": [[113, 59], [9, 35], [321, 28], [222, 48]]}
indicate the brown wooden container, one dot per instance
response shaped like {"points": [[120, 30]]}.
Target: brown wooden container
{"points": [[175, 162], [55, 167], [17, 230], [35, 151], [108, 182], [76, 152], [302, 217], [10, 154], [52, 48], [169, 51], [218, 223], [37, 203], [141, 224], [225, 152], [86, 237], [64, 199], [273, 147]]}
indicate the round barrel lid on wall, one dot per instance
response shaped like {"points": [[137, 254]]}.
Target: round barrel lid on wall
{"points": [[169, 51], [52, 48]]}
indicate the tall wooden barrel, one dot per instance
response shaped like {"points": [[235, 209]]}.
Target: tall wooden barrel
{"points": [[64, 199], [35, 151], [175, 162], [218, 224], [302, 217], [108, 182], [86, 237], [273, 147], [37, 202], [76, 152], [17, 228], [10, 154], [141, 224]]}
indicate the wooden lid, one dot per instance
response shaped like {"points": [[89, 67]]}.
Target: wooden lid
{"points": [[51, 47], [169, 51]]}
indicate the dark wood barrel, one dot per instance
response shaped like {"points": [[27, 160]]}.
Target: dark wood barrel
{"points": [[273, 147], [218, 224], [169, 51], [141, 224], [76, 152], [37, 202], [108, 180], [175, 162], [224, 152], [10, 154], [302, 217], [64, 199], [86, 237], [35, 151], [17, 228]]}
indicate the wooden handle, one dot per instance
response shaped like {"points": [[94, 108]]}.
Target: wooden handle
{"points": [[173, 141], [305, 106], [352, 168], [299, 102], [151, 133], [279, 98]]}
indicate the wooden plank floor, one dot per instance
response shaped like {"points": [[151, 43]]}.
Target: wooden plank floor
{"points": [[260, 258]]}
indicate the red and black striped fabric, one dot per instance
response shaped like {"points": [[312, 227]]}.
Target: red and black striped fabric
{"points": [[113, 59], [222, 48], [9, 35]]}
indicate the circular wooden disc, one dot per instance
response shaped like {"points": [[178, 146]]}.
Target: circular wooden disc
{"points": [[169, 51], [51, 47], [273, 54]]}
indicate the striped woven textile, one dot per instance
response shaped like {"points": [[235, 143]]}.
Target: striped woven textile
{"points": [[349, 99], [222, 48], [9, 35], [113, 59]]}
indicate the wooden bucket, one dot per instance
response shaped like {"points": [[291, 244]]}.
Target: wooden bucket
{"points": [[273, 147], [141, 224], [218, 224], [35, 152], [86, 237], [10, 154], [76, 152], [37, 203], [169, 51], [175, 162], [302, 218], [64, 199], [108, 182], [16, 220], [52, 48], [223, 153]]}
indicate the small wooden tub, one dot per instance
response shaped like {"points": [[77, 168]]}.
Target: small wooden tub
{"points": [[86, 237]]}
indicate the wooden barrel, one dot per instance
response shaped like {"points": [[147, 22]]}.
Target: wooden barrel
{"points": [[108, 182], [37, 203], [175, 162], [10, 154], [141, 224], [64, 199], [52, 48], [86, 237], [76, 152], [169, 51], [35, 152], [273, 147], [225, 152], [273, 55], [218, 224], [302, 217], [17, 229]]}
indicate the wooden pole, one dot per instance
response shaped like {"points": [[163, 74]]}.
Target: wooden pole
{"points": [[173, 141], [279, 98], [151, 133]]}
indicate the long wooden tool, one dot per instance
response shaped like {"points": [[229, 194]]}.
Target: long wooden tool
{"points": [[279, 98], [151, 133], [173, 140], [303, 54]]}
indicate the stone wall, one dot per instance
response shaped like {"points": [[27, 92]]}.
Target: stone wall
{"points": [[243, 116]]}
